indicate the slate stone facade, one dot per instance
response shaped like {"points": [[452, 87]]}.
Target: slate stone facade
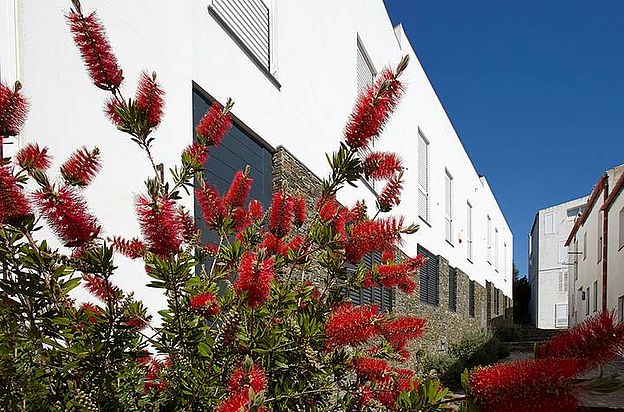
{"points": [[445, 326]]}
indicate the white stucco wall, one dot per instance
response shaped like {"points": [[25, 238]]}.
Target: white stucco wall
{"points": [[615, 256], [314, 46]]}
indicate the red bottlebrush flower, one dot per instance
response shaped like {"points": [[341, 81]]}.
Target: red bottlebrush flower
{"points": [[329, 209], [357, 213], [206, 303], [215, 124], [273, 245], [387, 256], [187, 224], [111, 109], [241, 380], [32, 157], [13, 203], [401, 330], [66, 212], [368, 368], [149, 99], [372, 110], [238, 402], [101, 288], [391, 194], [372, 236], [92, 311], [299, 205], [153, 379], [132, 248], [351, 325], [195, 155], [340, 224], [254, 210], [241, 219], [381, 165], [526, 385], [212, 205], [159, 224], [136, 323], [81, 167], [97, 54], [13, 110], [254, 279], [597, 340], [239, 190], [295, 245], [211, 249], [396, 274], [281, 217]]}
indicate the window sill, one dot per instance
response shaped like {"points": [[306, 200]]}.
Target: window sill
{"points": [[244, 48]]}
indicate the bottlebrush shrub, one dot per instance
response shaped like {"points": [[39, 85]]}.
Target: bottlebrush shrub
{"points": [[259, 321]]}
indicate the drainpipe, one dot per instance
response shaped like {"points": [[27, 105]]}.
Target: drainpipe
{"points": [[605, 221]]}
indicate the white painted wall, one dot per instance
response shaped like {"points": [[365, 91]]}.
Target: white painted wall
{"points": [[615, 255], [314, 46]]}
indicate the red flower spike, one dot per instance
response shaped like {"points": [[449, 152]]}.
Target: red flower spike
{"points": [[153, 381], [340, 223], [101, 288], [401, 330], [282, 213], [66, 212], [254, 210], [32, 157], [187, 225], [526, 385], [13, 203], [381, 165], [328, 210], [238, 402], [211, 204], [373, 236], [195, 154], [96, 51], [132, 248], [239, 190], [111, 110], [81, 167], [597, 340], [372, 110], [92, 311], [299, 205], [211, 249], [273, 245], [295, 245], [159, 224], [213, 127], [351, 325], [241, 380], [368, 368], [13, 110], [387, 256], [357, 212], [391, 194], [254, 279], [149, 99], [206, 303]]}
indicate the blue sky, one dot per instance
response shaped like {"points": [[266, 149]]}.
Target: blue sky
{"points": [[534, 88]]}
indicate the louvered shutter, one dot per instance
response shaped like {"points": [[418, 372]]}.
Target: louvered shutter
{"points": [[452, 289], [365, 72], [429, 278], [471, 298]]}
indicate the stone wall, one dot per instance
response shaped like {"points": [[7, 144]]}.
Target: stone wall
{"points": [[444, 326]]}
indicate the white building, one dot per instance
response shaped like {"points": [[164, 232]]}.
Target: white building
{"points": [[294, 69], [596, 241], [549, 263]]}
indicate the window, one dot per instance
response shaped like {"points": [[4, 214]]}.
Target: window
{"points": [[423, 177], [448, 205], [471, 298], [469, 231], [574, 212], [562, 252], [496, 308], [563, 281], [248, 23], [587, 299], [496, 249], [489, 240], [599, 245], [379, 296], [428, 278], [621, 231], [365, 70], [238, 149], [561, 315], [452, 289], [621, 309], [549, 223], [584, 245], [595, 297]]}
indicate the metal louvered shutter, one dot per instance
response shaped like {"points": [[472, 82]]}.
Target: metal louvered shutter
{"points": [[429, 278], [248, 22], [380, 296], [471, 298], [365, 71], [452, 289]]}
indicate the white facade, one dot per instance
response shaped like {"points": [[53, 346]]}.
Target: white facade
{"points": [[549, 263], [591, 239], [301, 101]]}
